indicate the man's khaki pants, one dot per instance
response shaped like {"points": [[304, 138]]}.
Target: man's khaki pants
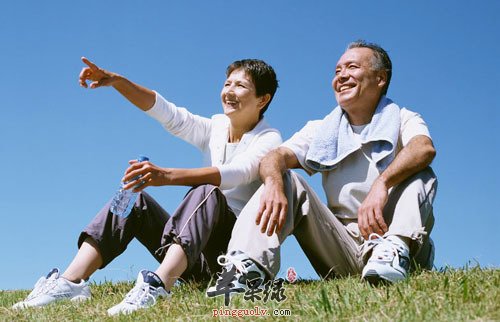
{"points": [[335, 247]]}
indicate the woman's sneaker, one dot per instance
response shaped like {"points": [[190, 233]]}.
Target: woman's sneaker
{"points": [[389, 262], [148, 288], [52, 288]]}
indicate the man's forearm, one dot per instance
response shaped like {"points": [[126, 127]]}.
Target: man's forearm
{"points": [[272, 167], [275, 163], [414, 157]]}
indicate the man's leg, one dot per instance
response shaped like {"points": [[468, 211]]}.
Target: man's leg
{"points": [[409, 214], [324, 239], [330, 246], [410, 218]]}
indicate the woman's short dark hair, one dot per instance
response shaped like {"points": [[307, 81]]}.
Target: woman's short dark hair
{"points": [[262, 75], [381, 61]]}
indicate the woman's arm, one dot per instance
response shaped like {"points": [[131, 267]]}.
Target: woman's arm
{"points": [[138, 95], [144, 174]]}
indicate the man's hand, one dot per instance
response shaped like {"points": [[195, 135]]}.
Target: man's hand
{"points": [[143, 174], [370, 213], [272, 210], [98, 76], [414, 157]]}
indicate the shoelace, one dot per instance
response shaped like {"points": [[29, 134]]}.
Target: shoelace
{"points": [[47, 285], [140, 294], [36, 290], [225, 261], [383, 249]]}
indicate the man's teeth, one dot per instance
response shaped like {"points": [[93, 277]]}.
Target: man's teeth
{"points": [[344, 87]]}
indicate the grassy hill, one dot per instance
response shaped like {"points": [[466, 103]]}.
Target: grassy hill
{"points": [[448, 295]]}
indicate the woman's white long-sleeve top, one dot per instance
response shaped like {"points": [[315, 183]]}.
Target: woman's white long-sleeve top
{"points": [[240, 173]]}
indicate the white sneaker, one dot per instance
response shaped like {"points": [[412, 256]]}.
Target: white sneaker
{"points": [[390, 260], [146, 291], [52, 288], [238, 269]]}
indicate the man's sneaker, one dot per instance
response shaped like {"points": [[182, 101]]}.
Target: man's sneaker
{"points": [[238, 271], [148, 288], [52, 288], [389, 261]]}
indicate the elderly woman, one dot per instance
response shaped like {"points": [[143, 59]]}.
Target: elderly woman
{"points": [[188, 242]]}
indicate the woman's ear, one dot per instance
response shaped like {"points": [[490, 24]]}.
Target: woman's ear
{"points": [[264, 99]]}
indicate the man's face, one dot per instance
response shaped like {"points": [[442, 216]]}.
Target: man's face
{"points": [[356, 84]]}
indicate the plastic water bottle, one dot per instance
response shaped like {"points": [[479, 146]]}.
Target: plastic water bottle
{"points": [[124, 200]]}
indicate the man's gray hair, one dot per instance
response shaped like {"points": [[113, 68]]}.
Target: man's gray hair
{"points": [[381, 59]]}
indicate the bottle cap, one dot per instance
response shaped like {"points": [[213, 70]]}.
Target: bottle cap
{"points": [[142, 158]]}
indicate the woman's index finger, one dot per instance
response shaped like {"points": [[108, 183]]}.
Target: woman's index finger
{"points": [[89, 63]]}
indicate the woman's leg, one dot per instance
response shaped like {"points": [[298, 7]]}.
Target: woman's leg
{"points": [[108, 235], [86, 262], [173, 266], [197, 233]]}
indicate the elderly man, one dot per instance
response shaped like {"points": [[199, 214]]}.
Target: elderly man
{"points": [[374, 158]]}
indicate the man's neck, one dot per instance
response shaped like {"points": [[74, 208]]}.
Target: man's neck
{"points": [[359, 120], [361, 115]]}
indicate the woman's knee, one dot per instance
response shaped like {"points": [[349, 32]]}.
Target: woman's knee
{"points": [[205, 189]]}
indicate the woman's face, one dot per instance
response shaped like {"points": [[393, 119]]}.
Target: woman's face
{"points": [[239, 97]]}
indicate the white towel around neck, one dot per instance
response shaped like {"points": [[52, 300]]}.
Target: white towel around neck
{"points": [[335, 138]]}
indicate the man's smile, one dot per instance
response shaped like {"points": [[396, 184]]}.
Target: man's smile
{"points": [[344, 87]]}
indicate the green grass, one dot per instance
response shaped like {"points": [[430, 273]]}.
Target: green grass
{"points": [[449, 295]]}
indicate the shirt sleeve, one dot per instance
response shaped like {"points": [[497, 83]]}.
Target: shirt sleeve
{"points": [[412, 124], [244, 167], [300, 142], [187, 126]]}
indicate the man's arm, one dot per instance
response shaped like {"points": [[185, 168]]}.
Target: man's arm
{"points": [[138, 95], [152, 175], [414, 157], [273, 203]]}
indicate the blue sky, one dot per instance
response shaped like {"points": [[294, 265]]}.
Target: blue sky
{"points": [[64, 148]]}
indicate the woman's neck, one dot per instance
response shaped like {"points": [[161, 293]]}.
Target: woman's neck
{"points": [[236, 131]]}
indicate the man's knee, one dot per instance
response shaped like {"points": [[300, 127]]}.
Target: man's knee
{"points": [[422, 185], [409, 211], [424, 180]]}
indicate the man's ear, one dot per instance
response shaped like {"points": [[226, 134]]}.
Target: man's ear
{"points": [[382, 78], [264, 99]]}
